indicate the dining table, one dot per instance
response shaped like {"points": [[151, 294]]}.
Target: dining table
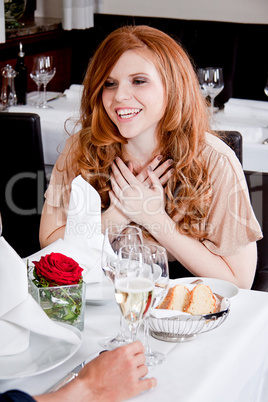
{"points": [[249, 117], [228, 363]]}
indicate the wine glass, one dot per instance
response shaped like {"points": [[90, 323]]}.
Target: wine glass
{"points": [[134, 285], [1, 225], [266, 87], [42, 72], [115, 237], [161, 279], [212, 83], [200, 75]]}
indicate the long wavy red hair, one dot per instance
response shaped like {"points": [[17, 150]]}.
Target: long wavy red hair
{"points": [[180, 132]]}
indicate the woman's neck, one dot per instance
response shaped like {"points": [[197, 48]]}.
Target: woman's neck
{"points": [[139, 156]]}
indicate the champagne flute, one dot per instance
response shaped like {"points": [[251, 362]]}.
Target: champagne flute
{"points": [[213, 83], [161, 279], [134, 285], [115, 237]]}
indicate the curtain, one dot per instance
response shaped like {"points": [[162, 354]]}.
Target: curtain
{"points": [[79, 14], [2, 22]]}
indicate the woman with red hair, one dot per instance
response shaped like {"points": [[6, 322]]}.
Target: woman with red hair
{"points": [[146, 146]]}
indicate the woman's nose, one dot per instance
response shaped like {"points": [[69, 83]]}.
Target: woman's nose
{"points": [[123, 92]]}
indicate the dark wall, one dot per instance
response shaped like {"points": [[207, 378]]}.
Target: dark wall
{"points": [[239, 48]]}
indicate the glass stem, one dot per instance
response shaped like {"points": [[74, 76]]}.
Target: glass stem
{"points": [[212, 106], [146, 335], [38, 96], [133, 331], [45, 95]]}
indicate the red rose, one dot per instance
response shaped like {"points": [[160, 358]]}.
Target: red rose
{"points": [[59, 269]]}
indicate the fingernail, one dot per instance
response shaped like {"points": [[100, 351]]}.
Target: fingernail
{"points": [[170, 161], [159, 157], [172, 171], [150, 168]]}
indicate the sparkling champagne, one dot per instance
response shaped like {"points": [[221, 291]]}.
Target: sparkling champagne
{"points": [[134, 297]]}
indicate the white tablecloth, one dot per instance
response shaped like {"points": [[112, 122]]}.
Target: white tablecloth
{"points": [[229, 363], [250, 118]]}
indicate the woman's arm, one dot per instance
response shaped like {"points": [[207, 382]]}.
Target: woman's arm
{"points": [[52, 225], [146, 206]]}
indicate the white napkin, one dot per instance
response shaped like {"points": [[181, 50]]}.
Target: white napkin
{"points": [[74, 93], [83, 227], [19, 312], [247, 108]]}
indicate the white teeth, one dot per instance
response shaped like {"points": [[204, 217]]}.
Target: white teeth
{"points": [[127, 113]]}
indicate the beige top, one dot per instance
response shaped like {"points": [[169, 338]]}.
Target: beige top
{"points": [[231, 219]]}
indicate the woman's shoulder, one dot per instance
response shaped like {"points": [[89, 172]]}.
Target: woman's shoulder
{"points": [[217, 153]]}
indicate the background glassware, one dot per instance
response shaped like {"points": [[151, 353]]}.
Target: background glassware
{"points": [[200, 75], [42, 72], [212, 78], [266, 87], [48, 73], [35, 75], [115, 237], [134, 285], [161, 278]]}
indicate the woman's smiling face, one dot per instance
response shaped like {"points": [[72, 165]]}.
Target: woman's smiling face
{"points": [[133, 96]]}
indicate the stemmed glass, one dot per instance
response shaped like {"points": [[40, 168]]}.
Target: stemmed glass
{"points": [[266, 87], [200, 75], [115, 237], [134, 285], [42, 72], [212, 78], [161, 281]]}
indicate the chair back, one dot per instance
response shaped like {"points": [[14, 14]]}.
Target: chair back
{"points": [[22, 180], [258, 191], [235, 140]]}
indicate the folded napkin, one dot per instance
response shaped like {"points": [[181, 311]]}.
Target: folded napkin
{"points": [[19, 312], [247, 108], [74, 93], [83, 227]]}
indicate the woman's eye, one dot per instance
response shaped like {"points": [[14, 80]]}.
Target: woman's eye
{"points": [[139, 81], [109, 84]]}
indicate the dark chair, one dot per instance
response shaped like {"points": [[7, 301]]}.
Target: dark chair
{"points": [[235, 141], [22, 180], [258, 191]]}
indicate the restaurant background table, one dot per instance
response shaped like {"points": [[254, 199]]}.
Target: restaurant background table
{"points": [[229, 363], [254, 129]]}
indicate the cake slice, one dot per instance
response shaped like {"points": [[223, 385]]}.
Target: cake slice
{"points": [[177, 298], [202, 301]]}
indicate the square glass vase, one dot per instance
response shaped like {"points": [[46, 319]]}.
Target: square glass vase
{"points": [[65, 304]]}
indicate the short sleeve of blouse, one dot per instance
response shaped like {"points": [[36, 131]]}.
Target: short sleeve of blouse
{"points": [[63, 173], [231, 220]]}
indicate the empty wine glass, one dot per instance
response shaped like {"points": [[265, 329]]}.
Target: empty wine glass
{"points": [[200, 75], [266, 87], [42, 72], [115, 237], [134, 285], [161, 280], [212, 78]]}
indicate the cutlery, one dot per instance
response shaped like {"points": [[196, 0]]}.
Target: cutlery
{"points": [[69, 377], [72, 374], [56, 97]]}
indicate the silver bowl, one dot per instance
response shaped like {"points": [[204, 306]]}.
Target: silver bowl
{"points": [[182, 327]]}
